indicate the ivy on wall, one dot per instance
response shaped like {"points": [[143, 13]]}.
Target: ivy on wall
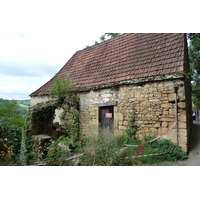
{"points": [[42, 115], [42, 118], [132, 127]]}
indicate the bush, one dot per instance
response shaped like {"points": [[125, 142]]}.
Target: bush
{"points": [[58, 150], [42, 118], [106, 152], [110, 151], [11, 134], [132, 128], [61, 89], [61, 149]]}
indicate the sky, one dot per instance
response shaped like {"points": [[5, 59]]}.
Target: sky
{"points": [[28, 60], [37, 37], [35, 43]]}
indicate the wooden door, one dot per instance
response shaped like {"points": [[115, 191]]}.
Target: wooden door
{"points": [[106, 117]]}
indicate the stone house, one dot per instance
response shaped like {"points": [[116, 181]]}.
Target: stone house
{"points": [[130, 71]]}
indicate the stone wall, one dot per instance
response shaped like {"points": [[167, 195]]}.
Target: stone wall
{"points": [[154, 105], [39, 99]]}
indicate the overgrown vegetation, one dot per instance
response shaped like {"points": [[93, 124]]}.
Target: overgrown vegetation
{"points": [[12, 118], [194, 58], [132, 127], [59, 150], [107, 150], [41, 122], [42, 118], [61, 90]]}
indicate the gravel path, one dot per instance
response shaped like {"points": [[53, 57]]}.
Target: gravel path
{"points": [[194, 154]]}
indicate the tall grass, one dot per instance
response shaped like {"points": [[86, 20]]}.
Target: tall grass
{"points": [[110, 151]]}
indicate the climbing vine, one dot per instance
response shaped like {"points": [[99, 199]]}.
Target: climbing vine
{"points": [[40, 122], [132, 127], [42, 118]]}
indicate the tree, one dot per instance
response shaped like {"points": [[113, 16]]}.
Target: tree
{"points": [[105, 37], [194, 53], [11, 125], [194, 57]]}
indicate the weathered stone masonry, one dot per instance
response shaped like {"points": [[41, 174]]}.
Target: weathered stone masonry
{"points": [[131, 71], [154, 104]]}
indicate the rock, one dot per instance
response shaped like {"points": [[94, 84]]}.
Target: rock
{"points": [[157, 125], [164, 124], [182, 105], [171, 97], [63, 146], [77, 161], [125, 123]]}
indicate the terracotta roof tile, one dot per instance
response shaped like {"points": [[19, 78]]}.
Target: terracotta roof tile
{"points": [[125, 57]]}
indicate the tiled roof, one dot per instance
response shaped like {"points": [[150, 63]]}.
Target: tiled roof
{"points": [[126, 57]]}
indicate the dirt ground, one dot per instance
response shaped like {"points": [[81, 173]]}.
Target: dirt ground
{"points": [[194, 148]]}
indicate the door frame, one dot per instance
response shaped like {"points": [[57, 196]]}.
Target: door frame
{"points": [[111, 110]]}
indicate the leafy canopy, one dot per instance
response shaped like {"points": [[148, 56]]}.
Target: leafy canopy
{"points": [[11, 124], [194, 56], [105, 37]]}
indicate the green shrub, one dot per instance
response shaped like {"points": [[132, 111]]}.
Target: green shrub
{"points": [[106, 152], [61, 89], [42, 118], [132, 128], [11, 134], [110, 151], [57, 153]]}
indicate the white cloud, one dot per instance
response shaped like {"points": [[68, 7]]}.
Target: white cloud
{"points": [[28, 60], [13, 87], [36, 39]]}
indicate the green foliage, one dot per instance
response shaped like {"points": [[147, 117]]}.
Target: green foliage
{"points": [[105, 37], [106, 153], [58, 153], [112, 35], [69, 101], [194, 57], [174, 152], [42, 121], [194, 54], [61, 89], [30, 156], [11, 125], [62, 148], [42, 118], [26, 102], [109, 151], [196, 93], [132, 128], [12, 109], [29, 153], [11, 134], [72, 123]]}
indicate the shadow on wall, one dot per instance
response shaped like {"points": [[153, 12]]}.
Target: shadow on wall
{"points": [[195, 136]]}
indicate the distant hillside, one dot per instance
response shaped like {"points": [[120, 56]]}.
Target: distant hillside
{"points": [[18, 106], [24, 102]]}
